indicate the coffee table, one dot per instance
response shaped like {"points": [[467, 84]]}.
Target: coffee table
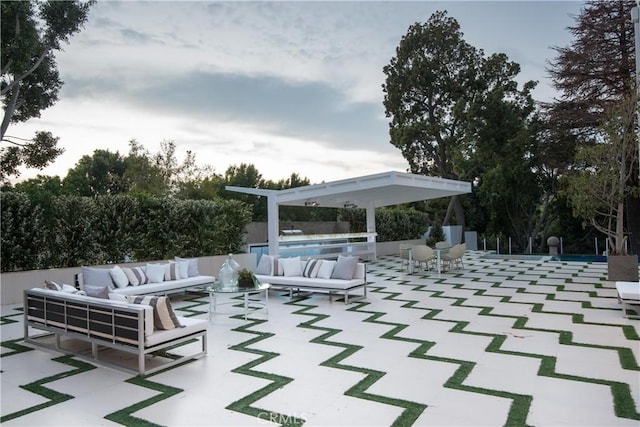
{"points": [[249, 305]]}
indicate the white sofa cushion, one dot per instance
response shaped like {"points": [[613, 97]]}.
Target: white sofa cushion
{"points": [[628, 290], [326, 269], [192, 270], [165, 287], [119, 277], [190, 326], [291, 266], [156, 272], [97, 276], [311, 283], [265, 265]]}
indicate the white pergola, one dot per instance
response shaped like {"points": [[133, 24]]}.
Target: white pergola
{"points": [[367, 192]]}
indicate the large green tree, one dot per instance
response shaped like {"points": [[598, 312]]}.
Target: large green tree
{"points": [[100, 174], [143, 176], [442, 96], [599, 188], [31, 32], [593, 75]]}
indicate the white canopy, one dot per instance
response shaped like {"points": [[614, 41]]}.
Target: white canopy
{"points": [[368, 192]]}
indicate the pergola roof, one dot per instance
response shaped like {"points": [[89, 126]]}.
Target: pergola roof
{"points": [[383, 189]]}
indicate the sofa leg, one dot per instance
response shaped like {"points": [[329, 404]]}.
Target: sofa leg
{"points": [[141, 362]]}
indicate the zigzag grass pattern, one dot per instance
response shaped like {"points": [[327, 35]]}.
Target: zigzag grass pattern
{"points": [[556, 328], [53, 396], [244, 405]]}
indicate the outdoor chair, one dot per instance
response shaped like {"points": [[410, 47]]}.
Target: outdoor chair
{"points": [[423, 254], [453, 258], [443, 245], [404, 255]]}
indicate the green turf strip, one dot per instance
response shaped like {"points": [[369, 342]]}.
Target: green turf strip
{"points": [[124, 417], [412, 410], [245, 405], [54, 397]]}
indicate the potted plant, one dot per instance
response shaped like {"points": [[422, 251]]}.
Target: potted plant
{"points": [[598, 191], [245, 278]]}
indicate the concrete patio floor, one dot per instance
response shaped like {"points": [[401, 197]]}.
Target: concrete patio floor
{"points": [[503, 342]]}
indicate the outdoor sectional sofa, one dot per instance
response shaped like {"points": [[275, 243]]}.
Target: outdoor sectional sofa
{"points": [[141, 328], [162, 278], [343, 276], [629, 297]]}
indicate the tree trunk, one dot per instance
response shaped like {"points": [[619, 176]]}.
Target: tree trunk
{"points": [[455, 209], [8, 112], [633, 223]]}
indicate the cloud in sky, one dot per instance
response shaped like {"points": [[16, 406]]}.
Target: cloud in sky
{"points": [[287, 86]]}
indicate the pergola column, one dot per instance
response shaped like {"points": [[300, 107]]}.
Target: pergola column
{"points": [[273, 224], [371, 228]]}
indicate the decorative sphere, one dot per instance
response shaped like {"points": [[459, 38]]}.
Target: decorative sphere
{"points": [[553, 241]]}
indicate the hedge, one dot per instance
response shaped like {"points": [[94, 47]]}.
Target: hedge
{"points": [[392, 224], [110, 229]]}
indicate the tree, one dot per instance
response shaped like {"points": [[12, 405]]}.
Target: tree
{"points": [[99, 174], [141, 173], [594, 74], [597, 70], [433, 85], [246, 175], [599, 189], [31, 32]]}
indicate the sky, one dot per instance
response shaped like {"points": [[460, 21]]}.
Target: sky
{"points": [[290, 87]]}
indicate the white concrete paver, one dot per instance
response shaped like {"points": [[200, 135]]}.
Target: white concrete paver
{"points": [[472, 358]]}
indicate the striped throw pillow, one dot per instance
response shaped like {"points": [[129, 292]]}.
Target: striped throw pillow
{"points": [[163, 314], [312, 267], [136, 276], [172, 272]]}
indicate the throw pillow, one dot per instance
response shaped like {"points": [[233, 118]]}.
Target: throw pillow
{"points": [[163, 315], [97, 291], [155, 272], [312, 267], [136, 275], [291, 266], [183, 269], [326, 268], [48, 284], [119, 277], [345, 268], [71, 289], [97, 277], [193, 266], [265, 266], [171, 271]]}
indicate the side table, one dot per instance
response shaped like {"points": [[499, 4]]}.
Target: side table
{"points": [[249, 305]]}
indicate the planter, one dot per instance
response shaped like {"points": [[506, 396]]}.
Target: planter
{"points": [[246, 283], [622, 268]]}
